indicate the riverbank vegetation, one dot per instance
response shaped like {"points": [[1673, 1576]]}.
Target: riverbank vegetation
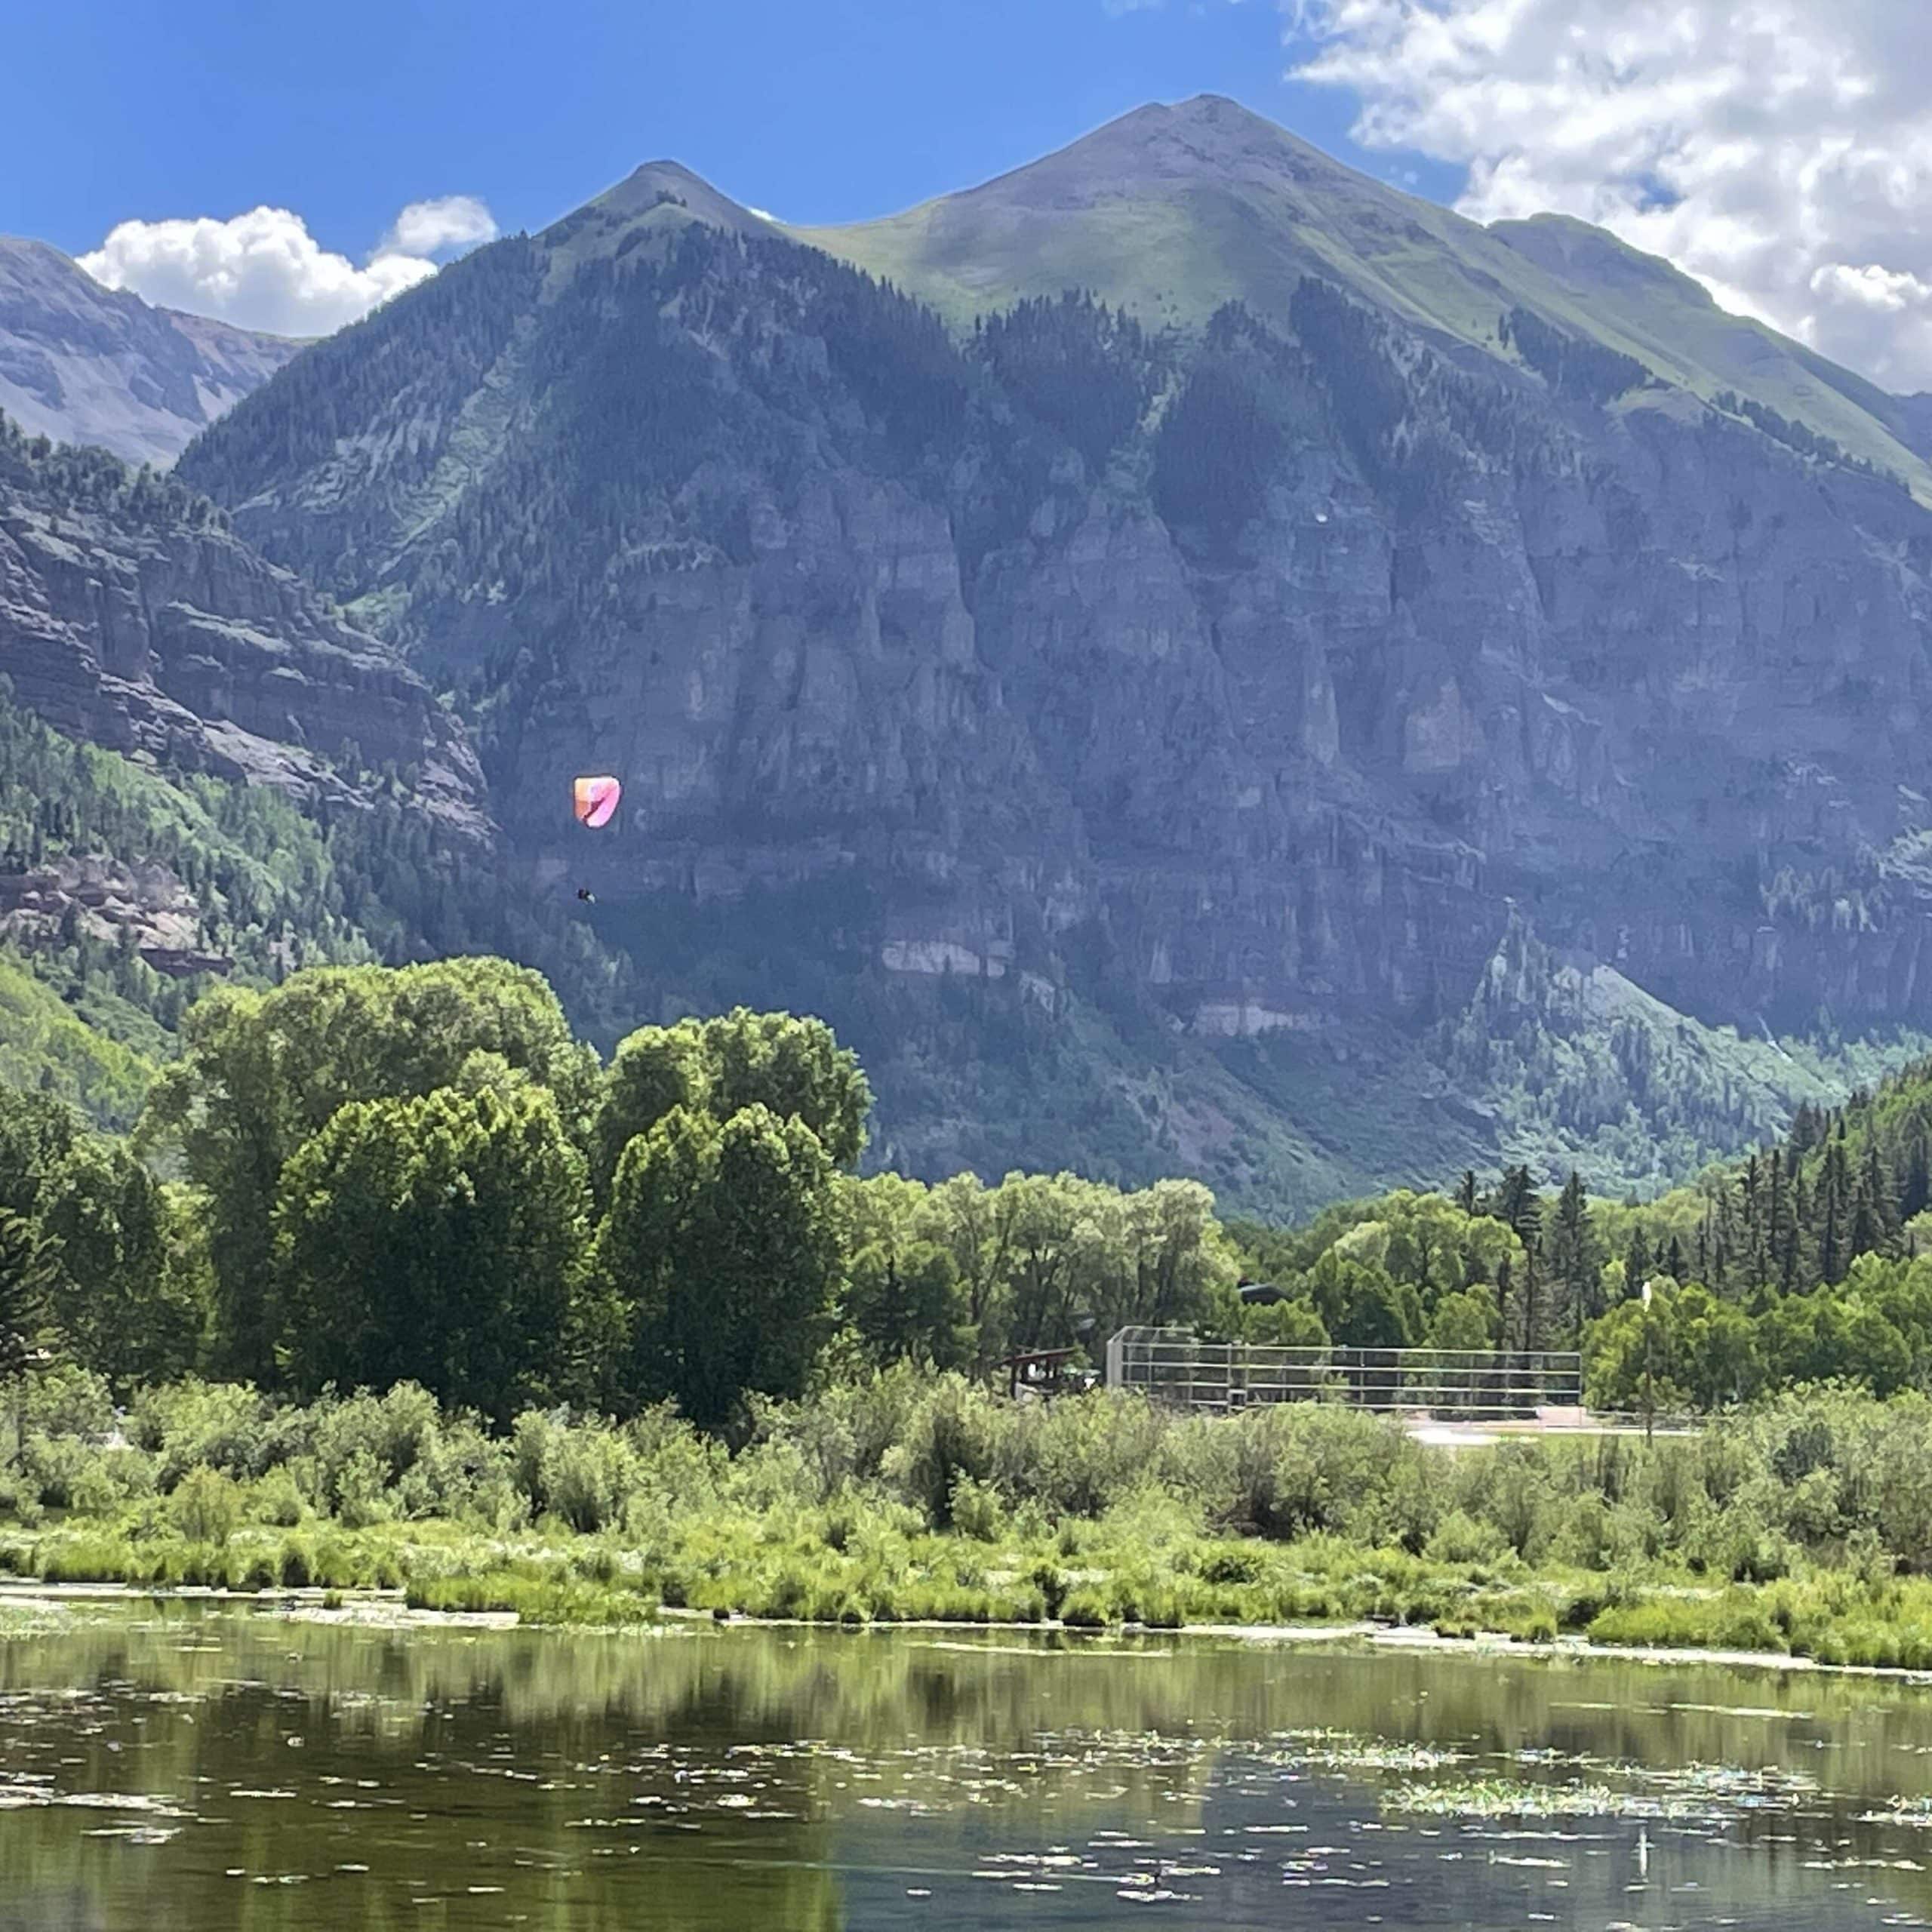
{"points": [[649, 1337], [1802, 1527]]}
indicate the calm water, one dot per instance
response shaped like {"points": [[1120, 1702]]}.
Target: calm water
{"points": [[209, 1771]]}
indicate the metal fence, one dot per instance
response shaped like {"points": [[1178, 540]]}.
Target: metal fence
{"points": [[1175, 1365]]}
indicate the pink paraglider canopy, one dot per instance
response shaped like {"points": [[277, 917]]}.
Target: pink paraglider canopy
{"points": [[597, 800]]}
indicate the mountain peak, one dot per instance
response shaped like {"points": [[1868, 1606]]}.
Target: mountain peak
{"points": [[1198, 110], [670, 184], [37, 272], [43, 255], [1172, 210], [1207, 117], [1163, 147]]}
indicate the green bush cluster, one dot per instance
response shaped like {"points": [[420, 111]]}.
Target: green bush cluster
{"points": [[1804, 1525]]}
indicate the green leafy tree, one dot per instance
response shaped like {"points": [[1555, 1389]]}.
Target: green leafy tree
{"points": [[104, 1221], [1381, 1314], [977, 1234], [126, 1312], [1293, 1324], [903, 1301], [1433, 1244], [903, 1297], [36, 1131], [793, 1065], [26, 1273], [1051, 1259], [440, 1239], [1825, 1336], [1361, 1305], [1901, 1291], [1182, 1263], [259, 1073], [654, 1071], [722, 1246], [1698, 1351], [1467, 1321]]}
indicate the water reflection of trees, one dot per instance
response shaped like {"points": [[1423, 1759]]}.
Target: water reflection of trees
{"points": [[565, 1757]]}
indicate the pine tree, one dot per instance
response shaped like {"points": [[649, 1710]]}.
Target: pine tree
{"points": [[1757, 1188], [1518, 1205], [1792, 1258], [1780, 1221], [1636, 1263], [1915, 1185], [1726, 1247], [1833, 1211], [1574, 1258], [1875, 1222]]}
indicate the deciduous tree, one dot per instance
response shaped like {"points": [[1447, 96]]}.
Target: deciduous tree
{"points": [[259, 1073], [722, 1245], [793, 1065], [439, 1239], [26, 1272]]}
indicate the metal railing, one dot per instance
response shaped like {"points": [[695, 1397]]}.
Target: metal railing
{"points": [[1175, 1365]]}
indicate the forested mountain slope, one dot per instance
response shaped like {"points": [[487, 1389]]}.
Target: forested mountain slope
{"points": [[132, 616], [205, 774], [83, 364], [1395, 718], [1806, 1262]]}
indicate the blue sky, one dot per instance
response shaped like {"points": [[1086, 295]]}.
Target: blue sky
{"points": [[824, 111], [1779, 150]]}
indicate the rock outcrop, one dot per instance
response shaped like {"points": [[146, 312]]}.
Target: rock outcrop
{"points": [[83, 364], [131, 617], [113, 900]]}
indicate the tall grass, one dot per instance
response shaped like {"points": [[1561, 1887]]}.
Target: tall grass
{"points": [[1804, 1525]]}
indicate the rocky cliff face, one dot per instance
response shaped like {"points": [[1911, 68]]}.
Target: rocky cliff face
{"points": [[1264, 676], [83, 364], [131, 617]]}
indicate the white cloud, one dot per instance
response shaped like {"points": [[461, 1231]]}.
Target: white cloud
{"points": [[1876, 287], [264, 270], [428, 228], [1779, 150]]}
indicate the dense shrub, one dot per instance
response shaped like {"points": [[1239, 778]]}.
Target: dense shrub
{"points": [[1804, 1523], [194, 1424], [207, 1506]]}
